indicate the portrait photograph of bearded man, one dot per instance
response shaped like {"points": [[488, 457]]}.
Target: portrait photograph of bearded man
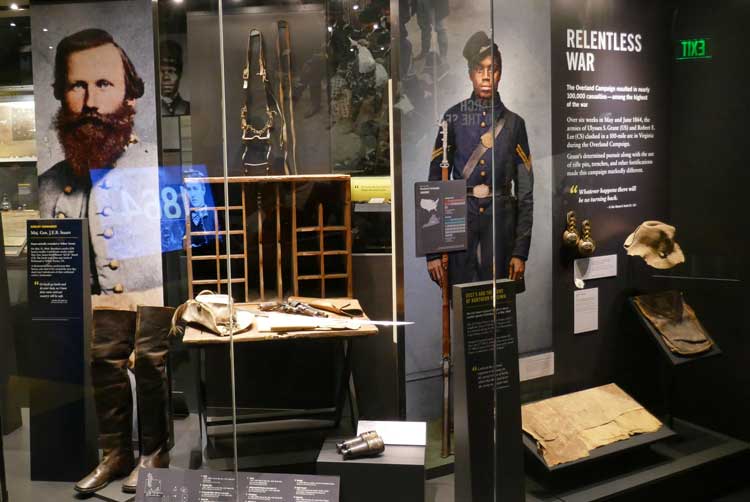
{"points": [[96, 117], [108, 174]]}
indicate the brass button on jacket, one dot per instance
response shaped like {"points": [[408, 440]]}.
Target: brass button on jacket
{"points": [[108, 233], [114, 264], [60, 215], [119, 288], [68, 189]]}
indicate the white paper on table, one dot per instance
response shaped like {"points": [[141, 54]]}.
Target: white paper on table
{"points": [[536, 366], [595, 268], [585, 310], [396, 433]]}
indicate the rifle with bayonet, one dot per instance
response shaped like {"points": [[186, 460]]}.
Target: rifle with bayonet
{"points": [[446, 444]]}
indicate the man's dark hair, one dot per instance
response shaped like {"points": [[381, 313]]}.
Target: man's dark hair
{"points": [[90, 39]]}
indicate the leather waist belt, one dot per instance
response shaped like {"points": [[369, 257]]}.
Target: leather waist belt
{"points": [[485, 191]]}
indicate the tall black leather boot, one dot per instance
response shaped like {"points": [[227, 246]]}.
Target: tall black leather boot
{"points": [[111, 345], [151, 350]]}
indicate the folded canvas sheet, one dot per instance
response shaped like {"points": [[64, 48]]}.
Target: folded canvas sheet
{"points": [[568, 427]]}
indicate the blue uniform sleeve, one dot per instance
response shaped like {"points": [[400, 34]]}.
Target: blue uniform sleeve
{"points": [[524, 187]]}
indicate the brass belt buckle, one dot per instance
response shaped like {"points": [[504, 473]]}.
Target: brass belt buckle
{"points": [[488, 140], [480, 191]]}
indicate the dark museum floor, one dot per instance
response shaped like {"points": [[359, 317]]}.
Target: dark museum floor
{"points": [[22, 490]]}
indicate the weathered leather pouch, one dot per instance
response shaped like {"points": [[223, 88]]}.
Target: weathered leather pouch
{"points": [[676, 321], [212, 312]]}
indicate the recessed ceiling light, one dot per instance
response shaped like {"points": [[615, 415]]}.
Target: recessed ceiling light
{"points": [[355, 7], [13, 25], [51, 48], [45, 29], [14, 6]]}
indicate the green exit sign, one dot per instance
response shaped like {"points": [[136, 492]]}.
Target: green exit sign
{"points": [[694, 48]]}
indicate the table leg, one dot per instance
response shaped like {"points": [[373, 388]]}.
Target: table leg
{"points": [[196, 454], [3, 485], [344, 387], [353, 403]]}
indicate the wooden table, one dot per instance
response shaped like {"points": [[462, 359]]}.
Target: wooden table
{"points": [[277, 420], [195, 336]]}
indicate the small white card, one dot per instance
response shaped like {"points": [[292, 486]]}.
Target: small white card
{"points": [[596, 267], [396, 433], [537, 366], [585, 310]]}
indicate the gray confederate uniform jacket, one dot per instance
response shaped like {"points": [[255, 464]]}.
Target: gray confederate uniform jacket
{"points": [[123, 210], [511, 187]]}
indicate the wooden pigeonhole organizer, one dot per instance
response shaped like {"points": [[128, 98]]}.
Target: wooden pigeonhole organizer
{"points": [[268, 207]]}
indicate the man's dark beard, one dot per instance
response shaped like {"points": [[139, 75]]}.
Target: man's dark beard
{"points": [[92, 140]]}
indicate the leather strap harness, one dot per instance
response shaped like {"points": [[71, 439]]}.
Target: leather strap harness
{"points": [[256, 157]]}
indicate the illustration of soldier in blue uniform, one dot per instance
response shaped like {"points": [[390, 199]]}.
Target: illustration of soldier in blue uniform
{"points": [[489, 148]]}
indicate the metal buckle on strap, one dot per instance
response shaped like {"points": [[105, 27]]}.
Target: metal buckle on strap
{"points": [[250, 133]]}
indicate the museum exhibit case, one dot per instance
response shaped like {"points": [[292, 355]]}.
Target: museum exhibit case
{"points": [[366, 250]]}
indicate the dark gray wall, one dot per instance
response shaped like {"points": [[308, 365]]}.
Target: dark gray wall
{"points": [[598, 357], [308, 33], [705, 194], [375, 359], [708, 204]]}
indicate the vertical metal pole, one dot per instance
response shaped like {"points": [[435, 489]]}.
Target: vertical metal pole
{"points": [[228, 243]]}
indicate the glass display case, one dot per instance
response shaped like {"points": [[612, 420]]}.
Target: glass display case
{"points": [[366, 250]]}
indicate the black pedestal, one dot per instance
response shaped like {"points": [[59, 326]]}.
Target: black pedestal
{"points": [[395, 476], [489, 451]]}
